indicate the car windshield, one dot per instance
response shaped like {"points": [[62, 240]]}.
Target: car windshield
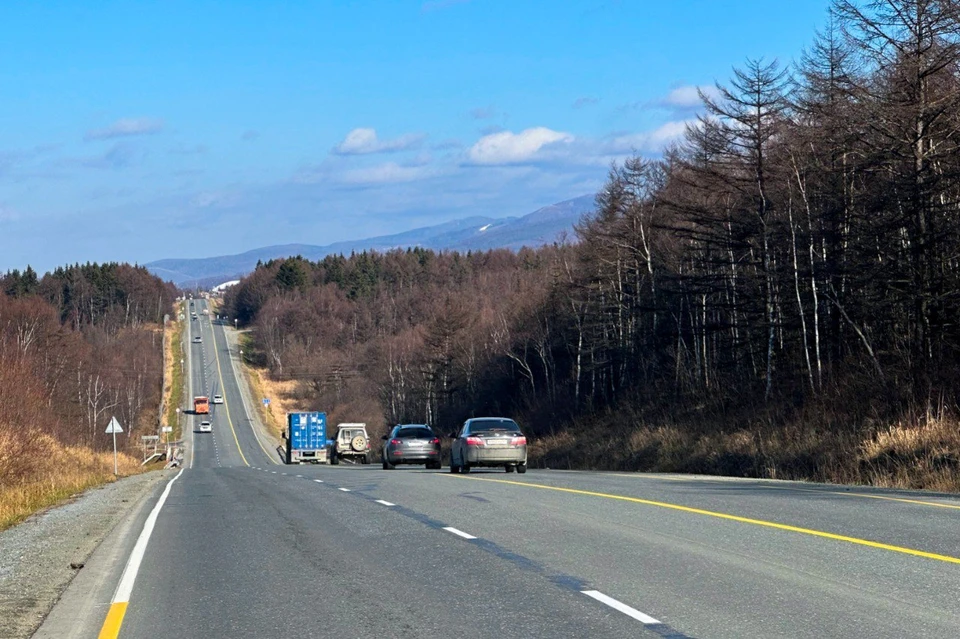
{"points": [[489, 426], [421, 432]]}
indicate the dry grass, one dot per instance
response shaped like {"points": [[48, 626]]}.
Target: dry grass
{"points": [[923, 454], [63, 472], [173, 374], [282, 396]]}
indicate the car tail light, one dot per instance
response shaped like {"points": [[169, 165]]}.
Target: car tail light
{"points": [[396, 442], [435, 441], [474, 441], [519, 441]]}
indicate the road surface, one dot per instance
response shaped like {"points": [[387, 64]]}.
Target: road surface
{"points": [[245, 547]]}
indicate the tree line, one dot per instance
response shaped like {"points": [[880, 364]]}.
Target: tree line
{"points": [[78, 345], [793, 259]]}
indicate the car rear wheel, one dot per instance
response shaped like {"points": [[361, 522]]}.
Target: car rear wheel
{"points": [[465, 468], [509, 468], [521, 468], [334, 460], [387, 465]]}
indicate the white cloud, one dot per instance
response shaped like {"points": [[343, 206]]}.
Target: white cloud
{"points": [[215, 199], [649, 141], [507, 147], [126, 127], [688, 96], [386, 173], [364, 141]]}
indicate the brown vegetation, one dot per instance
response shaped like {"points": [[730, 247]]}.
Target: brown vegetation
{"points": [[775, 297], [78, 346]]}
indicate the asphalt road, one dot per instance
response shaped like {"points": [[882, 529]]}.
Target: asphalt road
{"points": [[245, 547]]}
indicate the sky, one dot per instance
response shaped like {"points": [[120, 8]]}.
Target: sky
{"points": [[135, 131]]}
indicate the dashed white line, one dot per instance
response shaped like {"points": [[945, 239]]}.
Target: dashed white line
{"points": [[458, 533], [319, 481], [274, 472], [621, 607], [346, 490], [385, 503], [300, 476]]}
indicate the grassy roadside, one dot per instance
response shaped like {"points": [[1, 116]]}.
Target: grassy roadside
{"points": [[261, 386], [921, 453], [66, 471], [173, 392]]}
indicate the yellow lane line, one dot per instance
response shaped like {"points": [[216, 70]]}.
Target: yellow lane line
{"points": [[111, 625], [759, 483], [865, 496], [255, 436], [737, 518], [216, 355]]}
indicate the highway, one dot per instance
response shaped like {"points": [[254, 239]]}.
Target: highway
{"points": [[242, 546]]}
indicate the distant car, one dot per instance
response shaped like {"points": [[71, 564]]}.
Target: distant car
{"points": [[488, 441], [218, 399], [352, 442], [197, 340], [206, 427], [411, 444]]}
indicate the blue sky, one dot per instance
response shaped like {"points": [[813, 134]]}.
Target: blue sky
{"points": [[141, 130]]}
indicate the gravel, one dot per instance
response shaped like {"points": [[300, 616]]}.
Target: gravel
{"points": [[39, 557]]}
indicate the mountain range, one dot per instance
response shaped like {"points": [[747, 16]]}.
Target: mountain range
{"points": [[544, 226]]}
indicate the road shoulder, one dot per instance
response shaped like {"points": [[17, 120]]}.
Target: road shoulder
{"points": [[57, 555]]}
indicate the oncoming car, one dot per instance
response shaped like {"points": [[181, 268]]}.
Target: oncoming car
{"points": [[489, 441], [411, 444], [206, 427]]}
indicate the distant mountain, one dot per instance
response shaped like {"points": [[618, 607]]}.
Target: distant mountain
{"points": [[543, 226]]}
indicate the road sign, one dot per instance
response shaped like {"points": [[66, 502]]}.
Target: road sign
{"points": [[113, 427], [266, 401], [167, 429], [150, 438]]}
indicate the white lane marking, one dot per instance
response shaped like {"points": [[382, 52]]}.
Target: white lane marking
{"points": [[274, 472], [621, 607], [319, 481], [136, 556], [346, 490], [300, 476], [385, 503], [459, 533]]}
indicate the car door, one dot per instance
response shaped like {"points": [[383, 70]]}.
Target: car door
{"points": [[458, 443]]}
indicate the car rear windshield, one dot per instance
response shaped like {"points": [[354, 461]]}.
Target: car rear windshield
{"points": [[410, 433], [482, 426]]}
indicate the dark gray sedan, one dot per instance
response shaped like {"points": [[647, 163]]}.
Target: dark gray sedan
{"points": [[489, 441], [411, 444]]}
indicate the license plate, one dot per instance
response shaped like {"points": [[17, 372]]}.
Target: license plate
{"points": [[497, 442]]}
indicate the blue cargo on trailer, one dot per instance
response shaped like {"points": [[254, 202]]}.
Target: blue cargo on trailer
{"points": [[306, 438]]}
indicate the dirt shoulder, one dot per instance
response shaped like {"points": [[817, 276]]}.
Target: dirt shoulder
{"points": [[41, 556]]}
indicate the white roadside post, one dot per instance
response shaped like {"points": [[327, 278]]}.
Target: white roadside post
{"points": [[112, 429]]}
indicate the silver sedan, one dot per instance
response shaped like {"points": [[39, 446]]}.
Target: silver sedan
{"points": [[489, 441], [411, 444]]}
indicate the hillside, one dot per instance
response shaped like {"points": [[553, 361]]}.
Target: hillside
{"points": [[541, 227]]}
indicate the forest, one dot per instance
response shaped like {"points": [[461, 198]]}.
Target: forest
{"points": [[77, 346], [776, 295]]}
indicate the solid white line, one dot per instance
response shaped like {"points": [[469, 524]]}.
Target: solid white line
{"points": [[346, 490], [622, 607], [136, 555], [319, 481], [459, 533], [385, 503]]}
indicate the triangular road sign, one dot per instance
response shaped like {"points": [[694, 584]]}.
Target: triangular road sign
{"points": [[113, 426]]}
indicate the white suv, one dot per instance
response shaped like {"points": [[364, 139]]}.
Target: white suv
{"points": [[352, 442]]}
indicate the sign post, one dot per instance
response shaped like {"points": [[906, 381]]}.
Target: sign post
{"points": [[112, 429]]}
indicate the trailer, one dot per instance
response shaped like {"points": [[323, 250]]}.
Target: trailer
{"points": [[306, 438]]}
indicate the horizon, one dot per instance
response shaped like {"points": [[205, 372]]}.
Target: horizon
{"points": [[144, 133]]}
